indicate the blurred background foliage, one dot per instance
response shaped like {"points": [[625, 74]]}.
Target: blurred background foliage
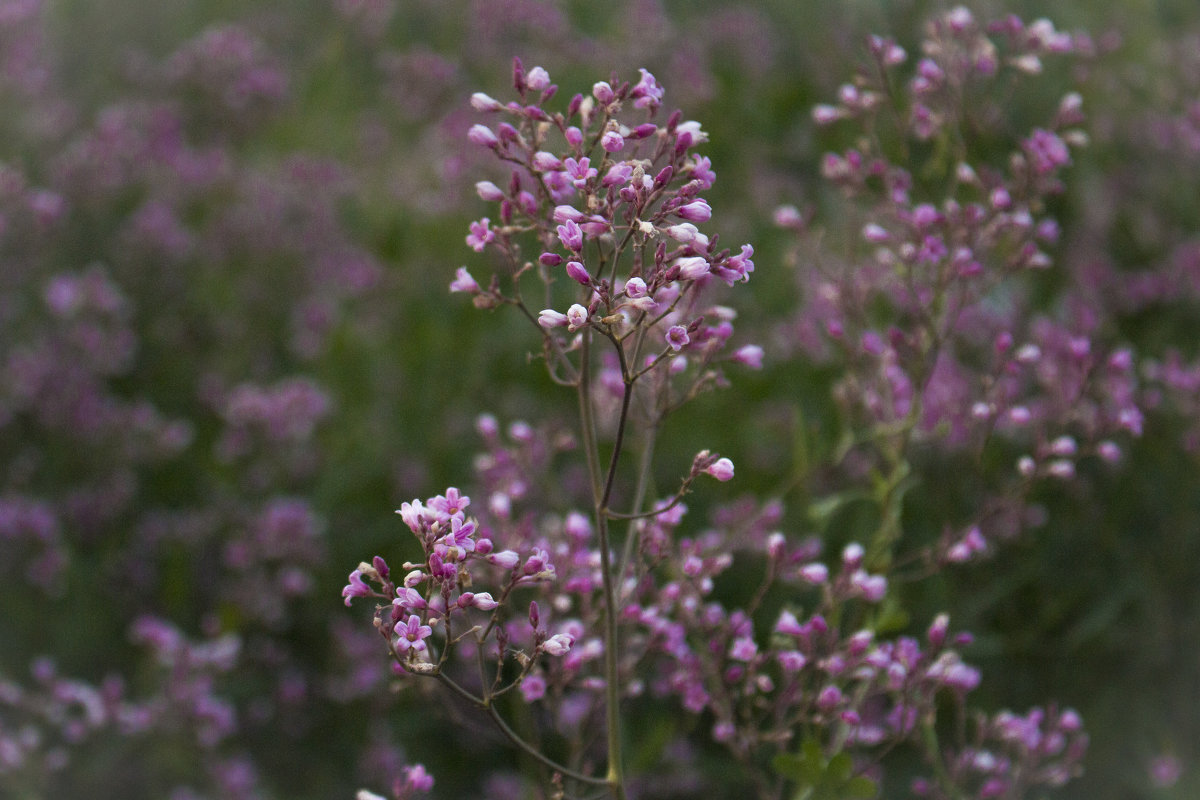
{"points": [[275, 196]]}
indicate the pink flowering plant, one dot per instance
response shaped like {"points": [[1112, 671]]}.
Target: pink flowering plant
{"points": [[587, 610]]}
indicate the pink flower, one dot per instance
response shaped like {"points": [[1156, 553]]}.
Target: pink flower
{"points": [[463, 282], [357, 587], [677, 337], [695, 211], [412, 635], [647, 93], [481, 234], [417, 778], [612, 142]]}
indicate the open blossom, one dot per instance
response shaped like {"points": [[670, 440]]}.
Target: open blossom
{"points": [[463, 282], [412, 635], [357, 587], [647, 93], [677, 337], [481, 234], [577, 317]]}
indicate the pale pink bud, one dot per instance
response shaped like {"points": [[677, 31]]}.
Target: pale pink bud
{"points": [[489, 191], [558, 644], [824, 114], [549, 318], [695, 211], [693, 267], [721, 469], [578, 273], [537, 79], [612, 142], [483, 136], [603, 92], [505, 559], [814, 573], [483, 102]]}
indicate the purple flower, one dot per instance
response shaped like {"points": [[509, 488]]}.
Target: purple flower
{"points": [[533, 687], [463, 282], [579, 171], [357, 587], [692, 267], [696, 211], [612, 142], [571, 236], [412, 635], [481, 600], [409, 599], [647, 93], [577, 273], [677, 337], [417, 779], [603, 92], [481, 234]]}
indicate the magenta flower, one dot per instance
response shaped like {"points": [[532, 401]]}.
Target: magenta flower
{"points": [[580, 171], [612, 142], [417, 779], [677, 337], [357, 587], [571, 236], [409, 599], [743, 649], [647, 93], [463, 282], [412, 635], [692, 267], [481, 234], [695, 211], [578, 273]]}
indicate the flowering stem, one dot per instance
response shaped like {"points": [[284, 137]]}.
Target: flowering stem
{"points": [[515, 738], [612, 689]]}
